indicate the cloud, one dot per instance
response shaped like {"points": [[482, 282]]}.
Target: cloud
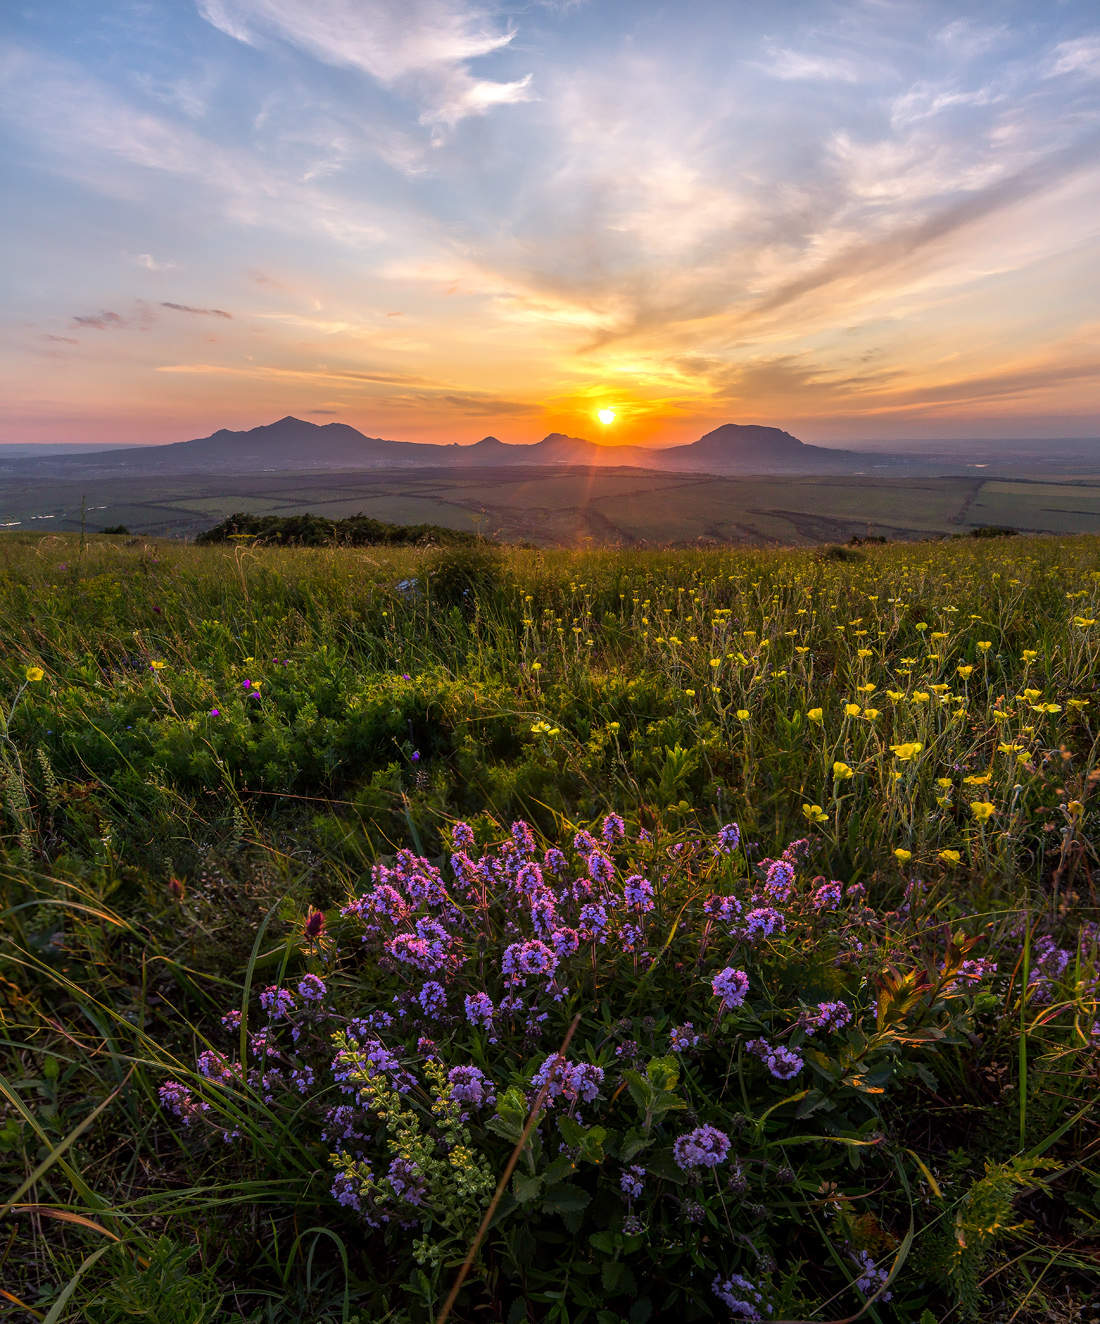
{"points": [[201, 312], [63, 340], [101, 321], [795, 66], [326, 412], [150, 263], [421, 46], [1081, 56]]}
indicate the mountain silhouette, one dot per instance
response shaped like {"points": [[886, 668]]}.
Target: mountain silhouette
{"points": [[296, 445]]}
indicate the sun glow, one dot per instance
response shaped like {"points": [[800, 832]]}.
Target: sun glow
{"points": [[605, 416]]}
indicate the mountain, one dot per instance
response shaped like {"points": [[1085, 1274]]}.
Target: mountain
{"points": [[295, 445]]}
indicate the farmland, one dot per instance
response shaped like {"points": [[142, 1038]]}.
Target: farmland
{"points": [[564, 506], [742, 899]]}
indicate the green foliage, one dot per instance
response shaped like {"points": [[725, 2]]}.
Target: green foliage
{"points": [[319, 531]]}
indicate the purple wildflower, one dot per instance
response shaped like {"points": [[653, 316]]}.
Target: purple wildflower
{"points": [[638, 892], [763, 922], [312, 988], [731, 986], [630, 1183], [729, 838], [784, 1063], [705, 1147], [569, 1080], [827, 896], [740, 1296], [432, 998], [522, 959], [471, 1086], [600, 868], [682, 1037], [479, 1009], [592, 923], [829, 1016], [779, 882], [178, 1099], [871, 1277], [614, 829], [523, 837], [462, 835], [277, 1002], [565, 942]]}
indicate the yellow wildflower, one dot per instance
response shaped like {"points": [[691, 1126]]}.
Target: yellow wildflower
{"points": [[950, 856], [902, 855], [815, 715], [906, 752], [982, 810], [34, 674], [815, 814], [842, 772]]}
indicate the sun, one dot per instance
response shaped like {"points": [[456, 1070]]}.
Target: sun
{"points": [[605, 416]]}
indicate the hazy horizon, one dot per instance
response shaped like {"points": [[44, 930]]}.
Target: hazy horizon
{"points": [[872, 225]]}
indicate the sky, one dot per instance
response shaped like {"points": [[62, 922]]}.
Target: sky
{"points": [[434, 220]]}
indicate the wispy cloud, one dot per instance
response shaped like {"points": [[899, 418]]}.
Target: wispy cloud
{"points": [[101, 321], [797, 66], [201, 312], [1081, 56], [150, 263], [422, 46]]}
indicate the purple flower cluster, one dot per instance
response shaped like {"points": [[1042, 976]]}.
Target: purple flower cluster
{"points": [[705, 1147], [731, 986], [638, 892], [523, 960], [470, 1086], [575, 1081], [729, 838], [743, 1300], [784, 1063], [828, 1016], [479, 1009], [682, 1037]]}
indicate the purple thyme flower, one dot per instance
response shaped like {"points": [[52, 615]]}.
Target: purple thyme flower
{"points": [[638, 892], [600, 868], [471, 1086], [553, 861], [784, 1063], [779, 882], [432, 998], [569, 1080], [523, 837], [592, 923], [613, 829], [479, 1009], [584, 842], [630, 1183], [829, 1016], [705, 1147], [178, 1099], [565, 942], [277, 1002], [741, 1297], [871, 1277], [522, 959], [682, 1037], [729, 838], [725, 909], [311, 988], [763, 922], [827, 896], [731, 986], [462, 835]]}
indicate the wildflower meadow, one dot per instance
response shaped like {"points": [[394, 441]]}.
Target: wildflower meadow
{"points": [[402, 935]]}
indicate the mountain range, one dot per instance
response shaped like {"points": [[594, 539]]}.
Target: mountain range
{"points": [[293, 444]]}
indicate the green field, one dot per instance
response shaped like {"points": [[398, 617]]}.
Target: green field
{"points": [[553, 508], [299, 1017]]}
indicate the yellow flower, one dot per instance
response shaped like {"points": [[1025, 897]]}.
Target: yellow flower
{"points": [[978, 779], [920, 696], [157, 665], [902, 855], [964, 671], [865, 689], [982, 810], [906, 752], [716, 661], [1032, 695], [815, 715], [841, 772], [1029, 654], [742, 714], [895, 696], [984, 645], [863, 652], [536, 666], [851, 709], [34, 674], [815, 814], [870, 713], [943, 781], [1074, 808], [1083, 622], [922, 625], [690, 694], [950, 856], [1077, 703], [801, 648]]}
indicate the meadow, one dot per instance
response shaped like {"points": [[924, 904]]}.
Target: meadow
{"points": [[611, 935]]}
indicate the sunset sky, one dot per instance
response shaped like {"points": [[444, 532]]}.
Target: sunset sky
{"points": [[435, 220]]}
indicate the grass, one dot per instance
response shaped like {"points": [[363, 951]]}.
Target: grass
{"points": [[223, 739]]}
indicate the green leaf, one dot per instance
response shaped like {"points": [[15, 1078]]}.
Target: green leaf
{"points": [[526, 1187], [565, 1198]]}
